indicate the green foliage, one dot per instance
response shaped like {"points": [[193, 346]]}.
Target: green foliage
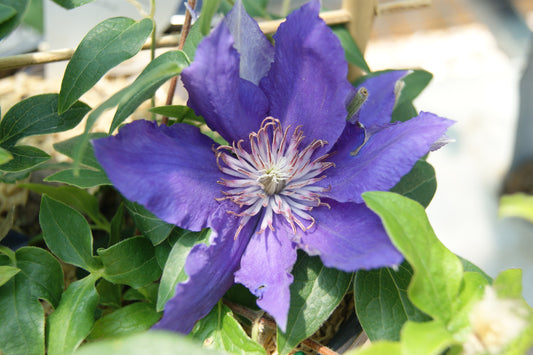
{"points": [[413, 84], [150, 226], [7, 272], [24, 157], [428, 338], [219, 330], [209, 7], [183, 114], [70, 4], [351, 51], [5, 156], [315, 293], [517, 205], [11, 12], [105, 46], [419, 185]]}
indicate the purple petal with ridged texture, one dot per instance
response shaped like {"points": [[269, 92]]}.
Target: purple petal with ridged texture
{"points": [[349, 237], [256, 51], [265, 270], [232, 106], [382, 90], [172, 171], [389, 153], [211, 272], [307, 84]]}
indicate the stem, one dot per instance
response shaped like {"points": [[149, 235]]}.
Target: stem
{"points": [[285, 7], [184, 32], [138, 7]]}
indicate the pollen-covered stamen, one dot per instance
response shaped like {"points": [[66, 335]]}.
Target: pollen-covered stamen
{"points": [[273, 176]]}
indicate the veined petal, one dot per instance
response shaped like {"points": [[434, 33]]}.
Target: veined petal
{"points": [[256, 51], [307, 84], [210, 270], [265, 270], [349, 237], [232, 106], [382, 96], [171, 171], [389, 153]]}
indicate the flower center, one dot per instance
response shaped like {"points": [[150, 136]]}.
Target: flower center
{"points": [[274, 176]]}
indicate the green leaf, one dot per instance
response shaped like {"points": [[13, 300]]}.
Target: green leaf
{"points": [[69, 147], [25, 157], [256, 8], [517, 205], [209, 7], [193, 39], [5, 156], [110, 294], [77, 198], [21, 313], [508, 283], [419, 184], [70, 4], [470, 267], [437, 271], [162, 68], [131, 262], [73, 319], [38, 115], [9, 24], [315, 293], [108, 44], [67, 234], [382, 304], [84, 179], [115, 234], [150, 226], [181, 113], [352, 52], [133, 318], [378, 348], [152, 342], [174, 271], [413, 84], [7, 272], [6, 13], [220, 330], [426, 338]]}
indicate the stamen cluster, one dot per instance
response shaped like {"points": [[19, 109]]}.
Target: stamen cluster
{"points": [[273, 176]]}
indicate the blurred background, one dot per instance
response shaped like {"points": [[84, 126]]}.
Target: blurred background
{"points": [[478, 52]]}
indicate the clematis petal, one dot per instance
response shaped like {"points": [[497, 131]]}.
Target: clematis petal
{"points": [[256, 52], [382, 96], [307, 84], [349, 237], [232, 106], [388, 154], [172, 171], [265, 270], [210, 270]]}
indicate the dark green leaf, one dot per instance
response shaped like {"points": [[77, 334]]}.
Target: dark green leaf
{"points": [[7, 272], [85, 178], [110, 294], [420, 184], [153, 342], [73, 319], [9, 24], [67, 234], [5, 156], [219, 330], [315, 293], [181, 113], [159, 70], [38, 115], [108, 44], [256, 8], [150, 226], [174, 271], [69, 146], [403, 112], [77, 198], [133, 318], [6, 14], [209, 7], [352, 52], [438, 272], [25, 157], [21, 313], [131, 262], [70, 4], [382, 304], [193, 39], [117, 223], [414, 83]]}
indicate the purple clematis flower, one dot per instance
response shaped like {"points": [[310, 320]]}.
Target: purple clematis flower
{"points": [[294, 170]]}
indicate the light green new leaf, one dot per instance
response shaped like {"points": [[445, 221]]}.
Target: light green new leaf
{"points": [[427, 338], [378, 348], [438, 272], [70, 4], [73, 319], [131, 262], [133, 318], [152, 342], [25, 157], [7, 272], [21, 313], [11, 21], [382, 304], [38, 115], [108, 44], [315, 293], [5, 156], [517, 205], [150, 226], [174, 271], [67, 234], [220, 330], [508, 283]]}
